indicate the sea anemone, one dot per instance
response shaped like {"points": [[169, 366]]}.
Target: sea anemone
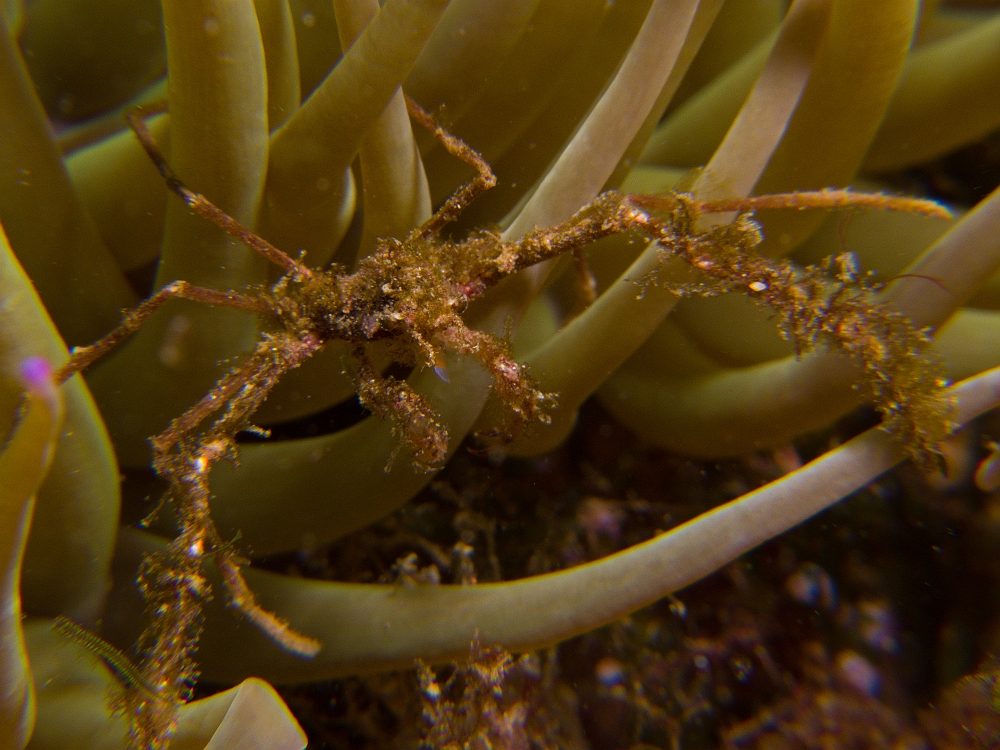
{"points": [[313, 149]]}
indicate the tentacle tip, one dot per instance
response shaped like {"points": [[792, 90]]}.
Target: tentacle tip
{"points": [[36, 374]]}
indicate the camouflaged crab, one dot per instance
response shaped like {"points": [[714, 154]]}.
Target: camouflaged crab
{"points": [[411, 293]]}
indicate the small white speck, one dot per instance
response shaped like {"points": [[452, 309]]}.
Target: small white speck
{"points": [[171, 352], [609, 672], [858, 672]]}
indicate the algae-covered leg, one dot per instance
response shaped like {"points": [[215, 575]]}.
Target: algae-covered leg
{"points": [[510, 380], [240, 391], [172, 581], [200, 205], [84, 356], [410, 414], [483, 181]]}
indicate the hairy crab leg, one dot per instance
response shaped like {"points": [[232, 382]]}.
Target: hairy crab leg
{"points": [[83, 357], [510, 379], [409, 413], [829, 198], [273, 357], [204, 207], [483, 181], [617, 213], [172, 581], [612, 213]]}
